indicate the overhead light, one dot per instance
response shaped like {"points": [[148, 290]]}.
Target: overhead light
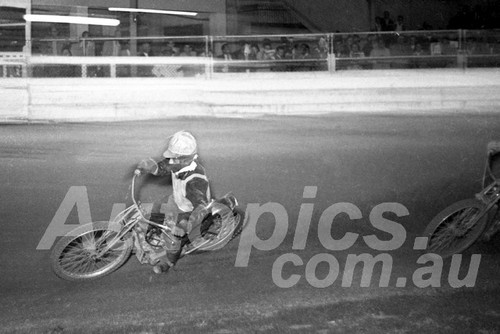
{"points": [[152, 11], [71, 19]]}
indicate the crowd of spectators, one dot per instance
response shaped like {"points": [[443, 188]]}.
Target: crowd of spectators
{"points": [[388, 45]]}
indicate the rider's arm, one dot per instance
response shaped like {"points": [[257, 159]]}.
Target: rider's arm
{"points": [[197, 191]]}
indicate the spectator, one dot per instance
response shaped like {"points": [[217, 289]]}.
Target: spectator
{"points": [[268, 51], [125, 50], [279, 57], [168, 50], [124, 70], [190, 70], [365, 45], [321, 49], [251, 52], [400, 49], [355, 52], [305, 54], [280, 53], [226, 52], [380, 51], [187, 51], [348, 42], [420, 53], [419, 50], [305, 51], [112, 48], [293, 53], [54, 35], [239, 54], [144, 51], [226, 57], [413, 43], [66, 51], [87, 47], [66, 70], [255, 53], [288, 44], [378, 24], [400, 24], [341, 49], [320, 52], [387, 22]]}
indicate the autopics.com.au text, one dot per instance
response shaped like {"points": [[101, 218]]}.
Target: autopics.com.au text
{"points": [[428, 274]]}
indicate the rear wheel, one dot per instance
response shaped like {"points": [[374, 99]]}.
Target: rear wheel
{"points": [[456, 228], [239, 216], [78, 256]]}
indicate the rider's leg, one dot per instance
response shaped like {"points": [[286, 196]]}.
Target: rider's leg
{"points": [[172, 256], [173, 253]]}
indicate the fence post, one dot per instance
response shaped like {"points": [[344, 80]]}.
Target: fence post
{"points": [[112, 70], [210, 55], [331, 54], [331, 63], [462, 50]]}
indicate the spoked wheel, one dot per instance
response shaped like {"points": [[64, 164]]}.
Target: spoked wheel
{"points": [[80, 256], [456, 228]]}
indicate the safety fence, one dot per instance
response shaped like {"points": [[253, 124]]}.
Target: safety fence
{"points": [[209, 56]]}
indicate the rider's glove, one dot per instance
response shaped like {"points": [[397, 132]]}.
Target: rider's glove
{"points": [[178, 231], [148, 166]]}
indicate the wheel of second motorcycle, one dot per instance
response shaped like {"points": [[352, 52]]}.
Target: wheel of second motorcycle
{"points": [[456, 228], [76, 257]]}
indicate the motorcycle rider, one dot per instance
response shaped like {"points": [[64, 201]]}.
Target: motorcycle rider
{"points": [[191, 191]]}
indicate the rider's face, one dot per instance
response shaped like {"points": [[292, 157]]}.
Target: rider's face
{"points": [[177, 163]]}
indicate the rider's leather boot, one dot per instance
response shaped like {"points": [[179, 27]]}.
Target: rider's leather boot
{"points": [[162, 267], [173, 255]]}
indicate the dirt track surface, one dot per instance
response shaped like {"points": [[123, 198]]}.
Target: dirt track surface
{"points": [[423, 163]]}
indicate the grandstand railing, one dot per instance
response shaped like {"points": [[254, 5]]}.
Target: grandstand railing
{"points": [[202, 56]]}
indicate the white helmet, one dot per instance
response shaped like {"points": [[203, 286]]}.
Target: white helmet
{"points": [[181, 144]]}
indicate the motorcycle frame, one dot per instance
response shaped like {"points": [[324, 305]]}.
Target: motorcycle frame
{"points": [[131, 216]]}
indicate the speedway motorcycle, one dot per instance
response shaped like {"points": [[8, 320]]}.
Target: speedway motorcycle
{"points": [[460, 225], [96, 249]]}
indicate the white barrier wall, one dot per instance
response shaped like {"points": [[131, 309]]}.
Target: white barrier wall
{"points": [[107, 99], [14, 99]]}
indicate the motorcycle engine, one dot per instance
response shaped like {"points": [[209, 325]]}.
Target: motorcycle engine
{"points": [[150, 245]]}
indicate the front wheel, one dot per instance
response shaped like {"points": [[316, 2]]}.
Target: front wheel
{"points": [[456, 228], [78, 256]]}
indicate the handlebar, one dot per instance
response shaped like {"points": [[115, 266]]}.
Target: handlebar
{"points": [[137, 173]]}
